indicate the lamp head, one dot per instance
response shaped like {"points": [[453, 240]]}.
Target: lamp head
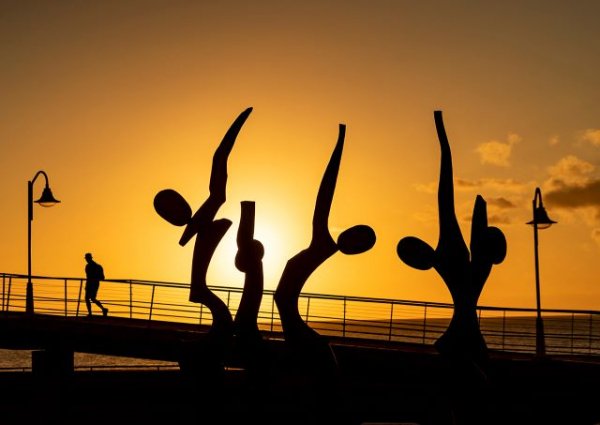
{"points": [[540, 217], [47, 199]]}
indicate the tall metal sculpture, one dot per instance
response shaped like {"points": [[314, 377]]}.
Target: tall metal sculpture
{"points": [[249, 261], [464, 272], [309, 350], [171, 206]]}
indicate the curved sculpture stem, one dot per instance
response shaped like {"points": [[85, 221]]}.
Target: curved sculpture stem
{"points": [[322, 246]]}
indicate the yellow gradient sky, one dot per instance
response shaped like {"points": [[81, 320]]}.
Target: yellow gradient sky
{"points": [[118, 100]]}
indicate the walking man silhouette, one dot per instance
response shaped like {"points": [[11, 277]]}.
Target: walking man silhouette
{"points": [[94, 273]]}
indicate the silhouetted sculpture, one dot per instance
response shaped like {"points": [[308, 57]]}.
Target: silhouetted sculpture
{"points": [[463, 274], [308, 348], [249, 261], [94, 274], [171, 206]]}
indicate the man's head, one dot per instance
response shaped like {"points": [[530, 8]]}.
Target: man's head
{"points": [[88, 256]]}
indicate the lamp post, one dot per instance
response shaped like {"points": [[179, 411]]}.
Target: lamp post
{"points": [[540, 221], [46, 200]]}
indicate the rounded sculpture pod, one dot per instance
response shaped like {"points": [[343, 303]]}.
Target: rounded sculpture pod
{"points": [[415, 253], [356, 239], [494, 245], [171, 206], [249, 256]]}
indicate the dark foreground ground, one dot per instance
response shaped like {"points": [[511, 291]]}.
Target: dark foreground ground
{"points": [[378, 387]]}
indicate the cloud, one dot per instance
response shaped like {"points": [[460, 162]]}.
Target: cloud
{"points": [[497, 211], [554, 140], [596, 235], [498, 219], [493, 219], [497, 153], [501, 185], [465, 185], [431, 187], [501, 203], [500, 211], [569, 172], [577, 196], [591, 135], [574, 189]]}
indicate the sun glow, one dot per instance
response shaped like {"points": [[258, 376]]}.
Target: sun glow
{"points": [[272, 234]]}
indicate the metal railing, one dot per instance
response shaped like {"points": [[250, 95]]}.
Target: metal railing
{"points": [[567, 332]]}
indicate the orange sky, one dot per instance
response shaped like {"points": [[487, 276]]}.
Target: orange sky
{"points": [[119, 100]]}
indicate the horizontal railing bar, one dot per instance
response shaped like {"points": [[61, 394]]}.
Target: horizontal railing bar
{"points": [[313, 295]]}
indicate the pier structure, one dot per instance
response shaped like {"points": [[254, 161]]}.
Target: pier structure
{"points": [[389, 369]]}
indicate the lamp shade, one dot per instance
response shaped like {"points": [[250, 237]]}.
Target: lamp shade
{"points": [[540, 217], [47, 199]]}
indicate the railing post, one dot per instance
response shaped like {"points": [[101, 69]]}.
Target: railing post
{"points": [[307, 309], [572, 331], [66, 299], [228, 297], [201, 311], [130, 299], [424, 323], [503, 327], [3, 288], [590, 335], [79, 298], [272, 311], [479, 321], [391, 321], [151, 302], [8, 295], [344, 320]]}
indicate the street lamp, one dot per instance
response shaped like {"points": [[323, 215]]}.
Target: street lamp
{"points": [[540, 221], [46, 200]]}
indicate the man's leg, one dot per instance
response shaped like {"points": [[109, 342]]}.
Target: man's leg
{"points": [[99, 304]]}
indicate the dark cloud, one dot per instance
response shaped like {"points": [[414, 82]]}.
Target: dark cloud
{"points": [[586, 195], [557, 184]]}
